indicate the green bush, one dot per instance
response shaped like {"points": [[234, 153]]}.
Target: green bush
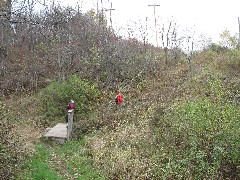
{"points": [[200, 140], [234, 57], [142, 85], [55, 98]]}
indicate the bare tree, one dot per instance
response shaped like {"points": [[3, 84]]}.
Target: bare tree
{"points": [[169, 38], [5, 28]]}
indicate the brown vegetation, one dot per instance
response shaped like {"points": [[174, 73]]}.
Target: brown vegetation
{"points": [[62, 42]]}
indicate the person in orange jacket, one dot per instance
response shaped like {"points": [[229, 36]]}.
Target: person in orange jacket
{"points": [[118, 99]]}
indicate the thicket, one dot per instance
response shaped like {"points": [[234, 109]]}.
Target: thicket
{"points": [[54, 99], [60, 42], [200, 138]]}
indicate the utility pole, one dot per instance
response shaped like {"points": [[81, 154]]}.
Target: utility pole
{"points": [[154, 10], [78, 8], [97, 7], [53, 3], [111, 9], [98, 15]]}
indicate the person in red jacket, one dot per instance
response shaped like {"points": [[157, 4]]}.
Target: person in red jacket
{"points": [[118, 99]]}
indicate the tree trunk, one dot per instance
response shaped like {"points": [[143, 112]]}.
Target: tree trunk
{"points": [[7, 25], [5, 32]]}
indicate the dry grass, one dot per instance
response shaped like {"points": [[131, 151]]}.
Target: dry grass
{"points": [[123, 150], [122, 146], [22, 113], [119, 154], [27, 136]]}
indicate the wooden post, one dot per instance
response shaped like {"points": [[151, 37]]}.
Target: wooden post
{"points": [[111, 9], [70, 123]]}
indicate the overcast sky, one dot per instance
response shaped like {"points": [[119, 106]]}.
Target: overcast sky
{"points": [[209, 17]]}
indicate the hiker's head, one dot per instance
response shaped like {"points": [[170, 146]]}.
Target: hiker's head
{"points": [[72, 101]]}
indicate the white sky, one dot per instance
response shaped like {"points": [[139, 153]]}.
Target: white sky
{"points": [[209, 17]]}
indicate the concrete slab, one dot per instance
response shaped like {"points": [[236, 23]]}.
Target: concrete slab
{"points": [[58, 131]]}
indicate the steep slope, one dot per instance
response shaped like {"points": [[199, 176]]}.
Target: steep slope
{"points": [[170, 126], [126, 148], [121, 149]]}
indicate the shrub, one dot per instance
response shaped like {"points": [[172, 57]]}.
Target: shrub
{"points": [[54, 98], [234, 57], [142, 85], [200, 139]]}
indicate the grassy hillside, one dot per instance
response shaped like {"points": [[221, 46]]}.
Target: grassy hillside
{"points": [[183, 125], [179, 118], [180, 124]]}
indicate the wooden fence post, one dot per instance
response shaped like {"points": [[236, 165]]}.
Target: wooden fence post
{"points": [[70, 123]]}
